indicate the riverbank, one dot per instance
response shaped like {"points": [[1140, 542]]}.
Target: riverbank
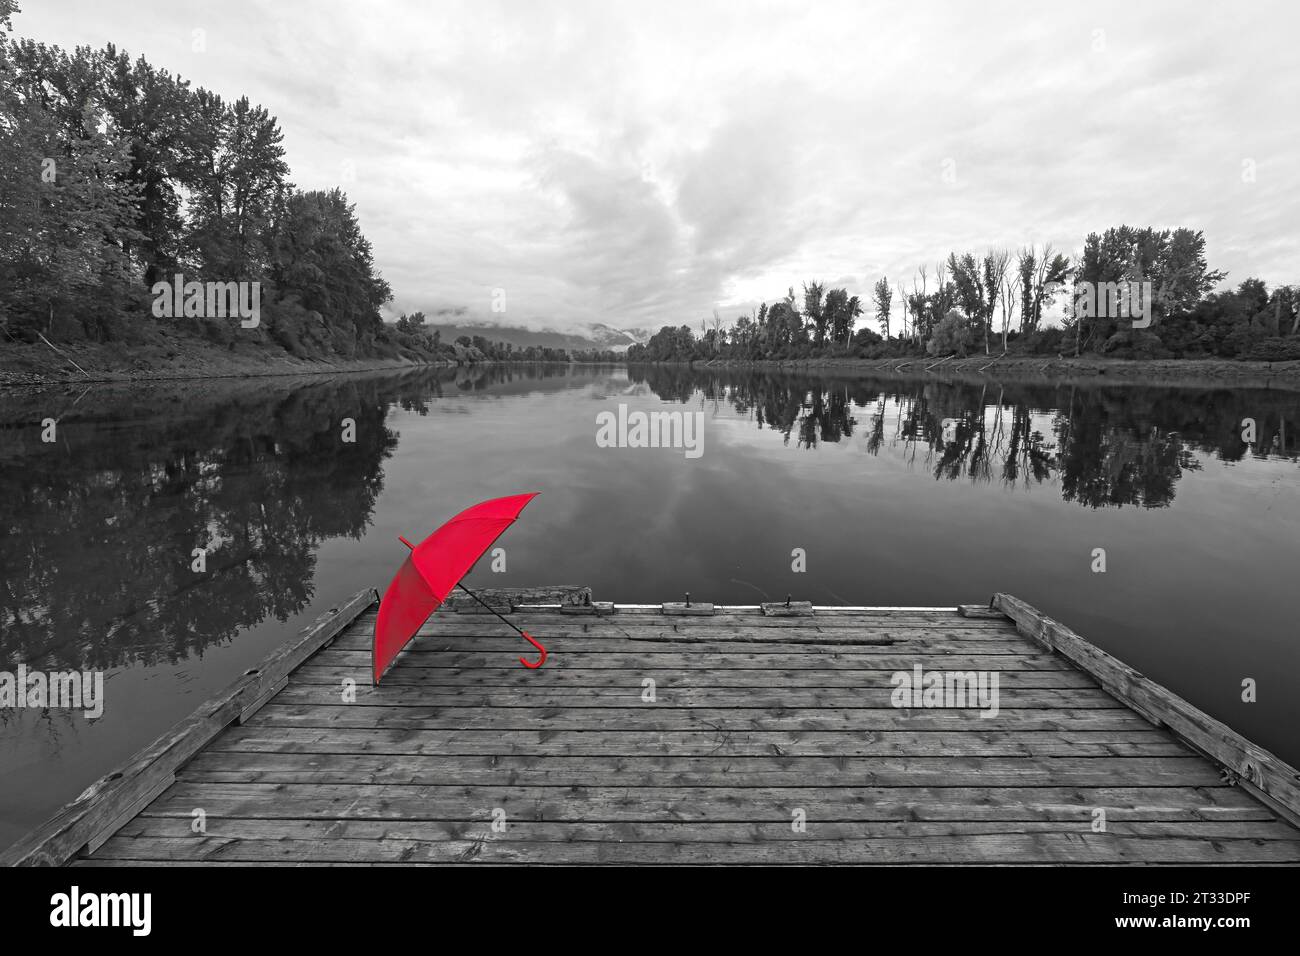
{"points": [[185, 358], [175, 357], [1191, 372]]}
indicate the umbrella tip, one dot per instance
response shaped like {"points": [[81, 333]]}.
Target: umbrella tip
{"points": [[405, 542]]}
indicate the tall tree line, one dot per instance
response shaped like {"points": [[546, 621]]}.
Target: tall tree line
{"points": [[1026, 302], [115, 175]]}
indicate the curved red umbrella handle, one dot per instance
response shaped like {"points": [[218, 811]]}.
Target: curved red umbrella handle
{"points": [[529, 638]]}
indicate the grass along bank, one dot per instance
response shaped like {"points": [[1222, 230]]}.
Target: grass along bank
{"points": [[1193, 372]]}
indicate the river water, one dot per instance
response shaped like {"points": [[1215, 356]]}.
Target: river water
{"points": [[888, 491]]}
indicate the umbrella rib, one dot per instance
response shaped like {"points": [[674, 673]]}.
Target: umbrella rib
{"points": [[490, 608]]}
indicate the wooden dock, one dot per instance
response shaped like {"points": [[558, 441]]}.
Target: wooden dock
{"points": [[688, 735]]}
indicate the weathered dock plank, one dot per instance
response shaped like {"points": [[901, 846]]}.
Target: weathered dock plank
{"points": [[771, 661], [809, 650], [502, 676], [741, 743], [698, 831], [719, 802], [938, 645], [719, 719], [735, 737], [100, 809], [871, 696], [445, 623], [700, 771], [983, 848]]}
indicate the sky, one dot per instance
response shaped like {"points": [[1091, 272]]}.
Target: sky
{"points": [[643, 164]]}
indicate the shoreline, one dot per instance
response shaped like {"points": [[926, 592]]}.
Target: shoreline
{"points": [[97, 366], [33, 367], [29, 368], [1071, 371]]}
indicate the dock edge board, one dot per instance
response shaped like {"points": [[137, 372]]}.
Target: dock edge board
{"points": [[1267, 777], [115, 798]]}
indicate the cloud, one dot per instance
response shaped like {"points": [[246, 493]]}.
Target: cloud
{"points": [[644, 164]]}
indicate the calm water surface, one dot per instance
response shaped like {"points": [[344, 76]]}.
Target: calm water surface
{"points": [[901, 492]]}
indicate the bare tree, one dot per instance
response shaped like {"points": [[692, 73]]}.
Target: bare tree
{"points": [[915, 303], [918, 303], [717, 328], [1007, 300]]}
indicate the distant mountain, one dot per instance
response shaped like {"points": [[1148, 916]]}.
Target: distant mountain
{"points": [[597, 335], [611, 337]]}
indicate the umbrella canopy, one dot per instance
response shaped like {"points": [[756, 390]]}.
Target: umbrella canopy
{"points": [[433, 568]]}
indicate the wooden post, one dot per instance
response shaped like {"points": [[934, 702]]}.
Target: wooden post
{"points": [[688, 608], [788, 609]]}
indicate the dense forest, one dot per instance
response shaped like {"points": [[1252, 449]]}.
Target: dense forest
{"points": [[115, 175], [473, 349], [996, 304]]}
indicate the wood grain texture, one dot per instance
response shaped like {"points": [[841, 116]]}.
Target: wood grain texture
{"points": [[736, 737], [1252, 765]]}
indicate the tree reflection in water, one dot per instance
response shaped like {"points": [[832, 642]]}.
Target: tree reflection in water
{"points": [[1106, 447], [98, 529]]}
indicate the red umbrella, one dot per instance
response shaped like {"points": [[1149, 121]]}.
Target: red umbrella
{"points": [[433, 568]]}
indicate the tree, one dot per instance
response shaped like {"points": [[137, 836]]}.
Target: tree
{"points": [[412, 323], [233, 163], [1041, 277], [840, 312], [1173, 261], [969, 286], [148, 106], [716, 335], [1007, 298], [1026, 261], [65, 204], [977, 285], [669, 344], [951, 335], [884, 301], [814, 310], [743, 334], [794, 332], [1287, 305], [941, 301], [782, 322], [114, 175], [996, 263], [917, 305], [320, 257]]}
